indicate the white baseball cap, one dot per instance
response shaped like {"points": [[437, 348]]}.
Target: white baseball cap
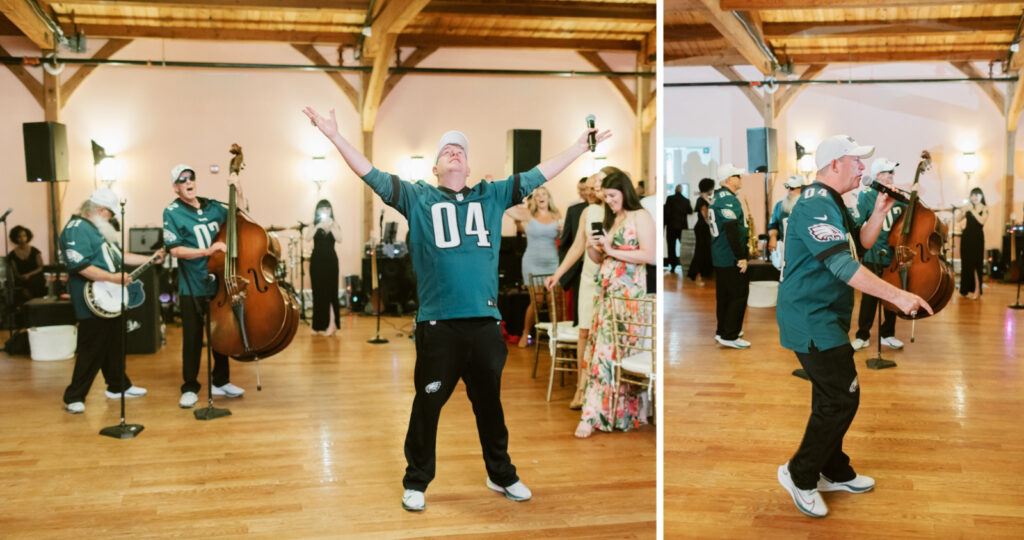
{"points": [[106, 198], [881, 165], [728, 170], [795, 181], [452, 137], [178, 169], [837, 146]]}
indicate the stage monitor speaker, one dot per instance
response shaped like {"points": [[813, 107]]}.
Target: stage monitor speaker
{"points": [[144, 334], [145, 240], [523, 150], [46, 152], [762, 148]]}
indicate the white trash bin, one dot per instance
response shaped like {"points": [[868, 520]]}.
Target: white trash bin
{"points": [[53, 342], [763, 293]]}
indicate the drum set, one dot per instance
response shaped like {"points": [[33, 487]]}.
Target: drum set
{"points": [[291, 268]]}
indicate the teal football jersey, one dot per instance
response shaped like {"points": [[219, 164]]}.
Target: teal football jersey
{"points": [[454, 239], [82, 245], [880, 252], [813, 304], [191, 227], [726, 208]]}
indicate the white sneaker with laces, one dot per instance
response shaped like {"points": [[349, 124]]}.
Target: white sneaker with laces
{"points": [[735, 344], [861, 344], [808, 501], [516, 492], [892, 343], [75, 408], [860, 484], [132, 391], [413, 500], [228, 390], [188, 400]]}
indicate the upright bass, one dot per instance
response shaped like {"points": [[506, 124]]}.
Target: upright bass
{"points": [[918, 265], [251, 317]]}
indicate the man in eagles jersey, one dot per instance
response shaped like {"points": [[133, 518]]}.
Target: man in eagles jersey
{"points": [[455, 235], [814, 311], [191, 223]]}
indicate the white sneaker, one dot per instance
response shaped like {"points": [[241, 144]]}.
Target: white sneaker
{"points": [[228, 390], [413, 500], [75, 408], [808, 501], [860, 484], [735, 344], [739, 335], [132, 391], [892, 343], [516, 492], [188, 400], [861, 344]]}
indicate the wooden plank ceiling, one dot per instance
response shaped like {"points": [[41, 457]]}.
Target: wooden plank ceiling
{"points": [[588, 25], [708, 32]]}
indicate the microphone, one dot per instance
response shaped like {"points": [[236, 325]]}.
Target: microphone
{"points": [[7, 213], [591, 138], [867, 181]]}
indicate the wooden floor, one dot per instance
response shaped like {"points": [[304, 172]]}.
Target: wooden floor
{"points": [[941, 433], [316, 454]]}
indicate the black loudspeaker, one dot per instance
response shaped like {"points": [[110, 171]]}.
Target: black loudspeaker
{"points": [[510, 263], [46, 152], [145, 240], [994, 261], [144, 334], [397, 284], [523, 150], [762, 148], [354, 292]]}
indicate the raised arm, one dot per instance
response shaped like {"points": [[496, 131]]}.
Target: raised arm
{"points": [[557, 164], [329, 127]]}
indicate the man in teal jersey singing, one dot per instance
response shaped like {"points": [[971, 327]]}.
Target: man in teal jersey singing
{"points": [[455, 235], [89, 245], [814, 309], [191, 223]]}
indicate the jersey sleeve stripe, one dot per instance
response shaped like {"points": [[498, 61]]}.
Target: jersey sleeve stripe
{"points": [[838, 248]]}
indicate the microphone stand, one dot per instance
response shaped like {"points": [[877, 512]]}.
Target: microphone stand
{"points": [[123, 430], [377, 340], [302, 273], [878, 362]]}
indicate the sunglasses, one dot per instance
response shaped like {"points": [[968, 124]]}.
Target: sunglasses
{"points": [[183, 179]]}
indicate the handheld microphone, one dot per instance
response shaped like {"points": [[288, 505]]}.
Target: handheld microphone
{"points": [[591, 137], [7, 213], [867, 181]]}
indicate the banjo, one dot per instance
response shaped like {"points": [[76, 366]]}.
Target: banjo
{"points": [[104, 298]]}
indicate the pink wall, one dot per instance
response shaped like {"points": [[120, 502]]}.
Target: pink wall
{"points": [[899, 119], [154, 118]]}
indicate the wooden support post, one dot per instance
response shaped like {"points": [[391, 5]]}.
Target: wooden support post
{"points": [[368, 193], [51, 113]]}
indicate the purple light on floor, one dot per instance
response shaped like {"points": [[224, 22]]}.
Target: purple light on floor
{"points": [[165, 297]]}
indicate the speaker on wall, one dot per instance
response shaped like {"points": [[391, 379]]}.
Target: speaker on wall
{"points": [[762, 150], [522, 152], [46, 152]]}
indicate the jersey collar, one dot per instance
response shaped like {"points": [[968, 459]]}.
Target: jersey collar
{"points": [[451, 193], [202, 204]]}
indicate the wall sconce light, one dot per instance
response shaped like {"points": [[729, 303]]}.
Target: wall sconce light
{"points": [[108, 170], [968, 164], [318, 171], [599, 163], [805, 165], [417, 167]]}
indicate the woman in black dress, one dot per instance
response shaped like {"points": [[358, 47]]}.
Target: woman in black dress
{"points": [[701, 264], [323, 270], [972, 245], [26, 266]]}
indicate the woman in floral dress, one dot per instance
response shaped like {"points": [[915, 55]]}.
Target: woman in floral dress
{"points": [[627, 244]]}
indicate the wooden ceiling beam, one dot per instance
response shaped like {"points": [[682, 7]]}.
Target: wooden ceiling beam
{"points": [[34, 87], [990, 90], [855, 57], [1016, 104], [736, 35], [870, 28], [106, 51], [318, 59], [599, 64], [785, 96], [28, 22], [413, 60], [374, 86], [393, 18], [218, 34], [723, 57], [443, 40], [730, 5], [574, 10], [275, 5]]}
